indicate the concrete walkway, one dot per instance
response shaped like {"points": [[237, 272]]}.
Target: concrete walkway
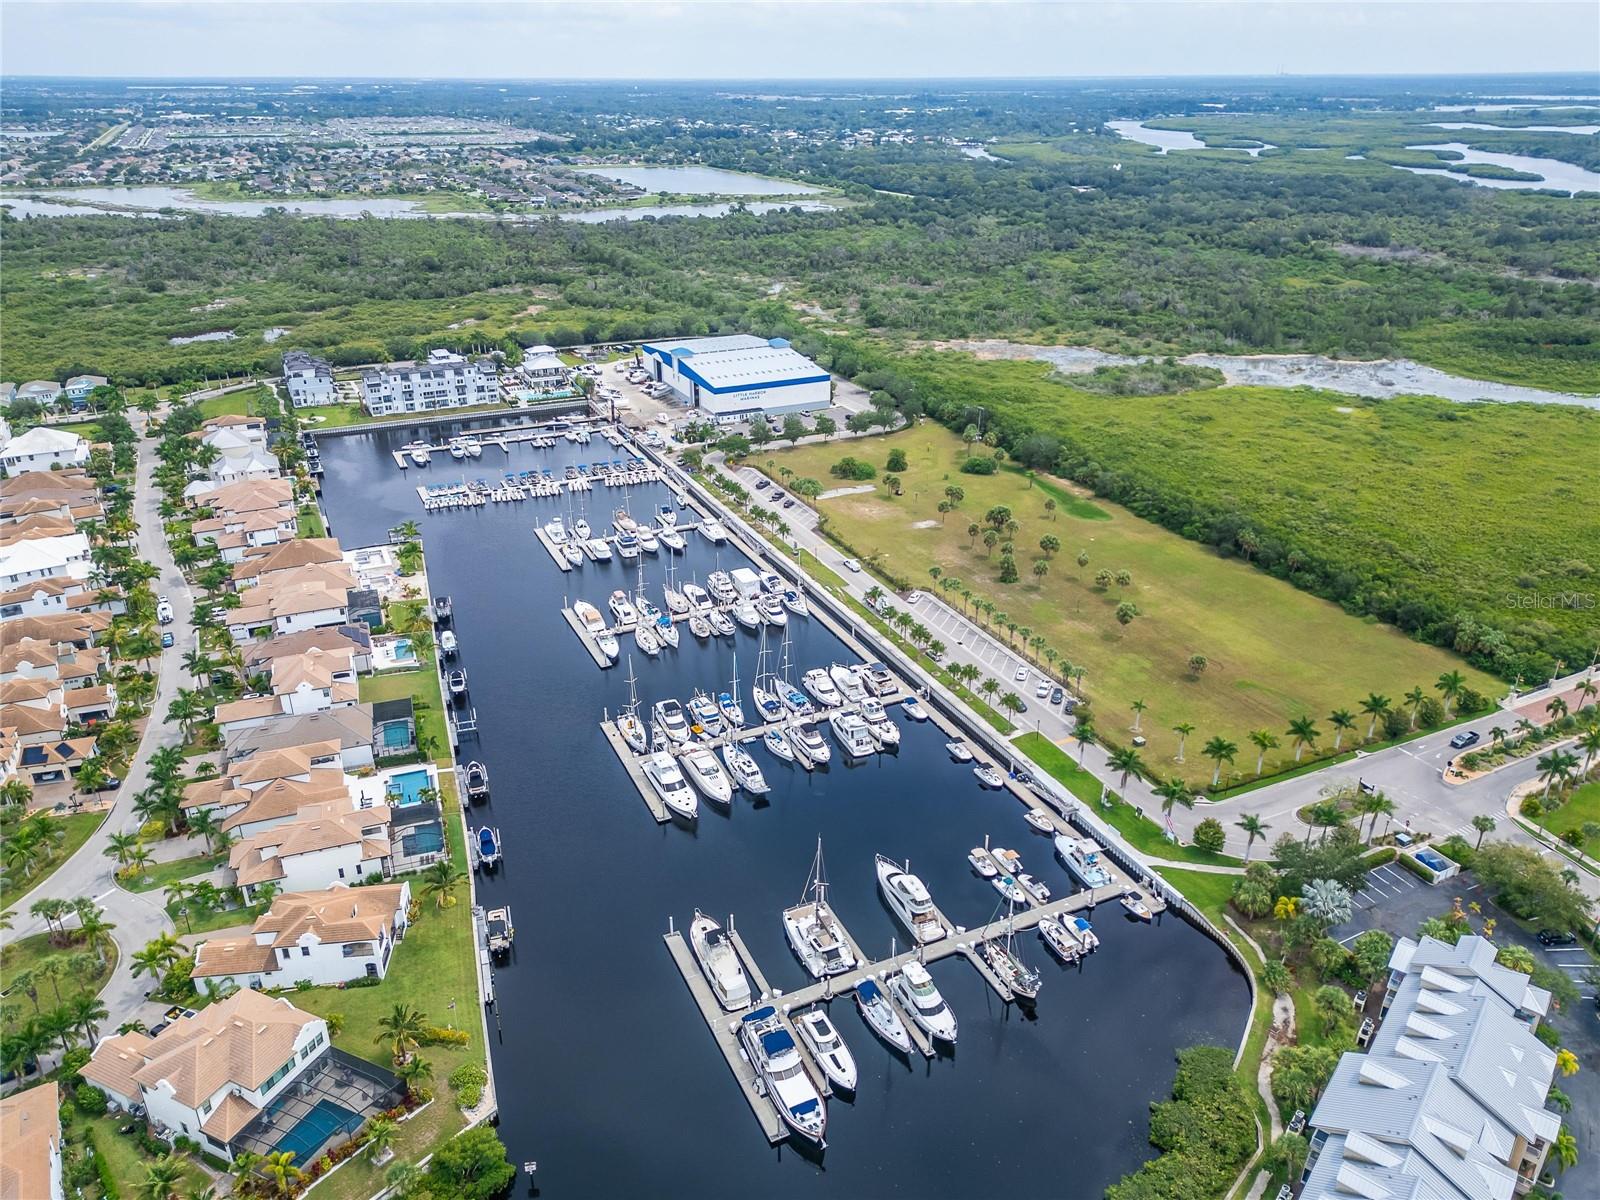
{"points": [[138, 917]]}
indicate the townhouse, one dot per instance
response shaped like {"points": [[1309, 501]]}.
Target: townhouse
{"points": [[445, 380], [308, 380], [242, 453], [250, 514]]}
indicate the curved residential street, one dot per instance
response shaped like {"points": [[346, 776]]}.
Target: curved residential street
{"points": [[138, 917]]}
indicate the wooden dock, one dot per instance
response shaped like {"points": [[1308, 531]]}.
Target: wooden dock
{"points": [[589, 644], [630, 764], [556, 556]]}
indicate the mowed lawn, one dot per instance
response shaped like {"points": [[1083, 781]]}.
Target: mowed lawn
{"points": [[1274, 653]]}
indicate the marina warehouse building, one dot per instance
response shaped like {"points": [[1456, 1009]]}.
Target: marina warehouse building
{"points": [[737, 376]]}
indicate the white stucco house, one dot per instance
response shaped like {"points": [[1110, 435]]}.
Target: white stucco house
{"points": [[43, 449]]}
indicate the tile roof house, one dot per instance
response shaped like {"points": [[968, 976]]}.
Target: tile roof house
{"points": [[210, 1075], [28, 559], [328, 937], [1449, 1101], [321, 845], [351, 728], [359, 640], [293, 600], [30, 1132], [246, 516]]}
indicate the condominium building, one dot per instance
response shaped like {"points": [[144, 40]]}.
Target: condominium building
{"points": [[445, 380]]}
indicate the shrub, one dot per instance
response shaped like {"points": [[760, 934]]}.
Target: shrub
{"points": [[435, 1035], [897, 460], [365, 980], [1205, 1132], [1531, 808], [1416, 868], [852, 468], [978, 465], [1209, 835], [1457, 849], [108, 1181], [468, 1081], [90, 1100]]}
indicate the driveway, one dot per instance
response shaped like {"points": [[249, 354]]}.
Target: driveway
{"points": [[138, 917]]}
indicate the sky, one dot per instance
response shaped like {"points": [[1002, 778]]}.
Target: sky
{"points": [[702, 39]]}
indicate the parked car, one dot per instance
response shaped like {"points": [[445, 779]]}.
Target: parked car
{"points": [[776, 495], [1554, 937], [166, 640], [1056, 695], [1463, 740], [788, 501], [851, 564], [1022, 675], [1042, 692]]}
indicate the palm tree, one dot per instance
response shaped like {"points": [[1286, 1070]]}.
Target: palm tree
{"points": [[1342, 722], [1449, 685], [401, 1029], [1557, 765], [87, 1011], [58, 1023], [1566, 1148], [1254, 827], [381, 1135], [1263, 740], [416, 1072], [120, 846], [1484, 824], [1126, 761], [1589, 743], [161, 1178], [1183, 730], [1083, 730], [1220, 750], [1324, 815], [1374, 706], [441, 880], [279, 1167], [1304, 732], [1138, 707], [1415, 697], [243, 1169], [1556, 709], [1379, 806], [1173, 793]]}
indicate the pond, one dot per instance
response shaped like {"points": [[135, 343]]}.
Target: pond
{"points": [[700, 181], [216, 335], [1554, 175]]}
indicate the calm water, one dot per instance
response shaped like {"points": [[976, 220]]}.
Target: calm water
{"points": [[700, 181], [1174, 139], [1579, 129], [607, 1074], [1554, 174]]}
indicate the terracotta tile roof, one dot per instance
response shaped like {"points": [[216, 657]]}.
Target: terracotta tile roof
{"points": [[298, 553], [229, 1117], [116, 1060], [233, 956], [23, 689], [42, 587], [240, 1040], [30, 1126], [87, 697], [19, 649], [249, 709], [59, 627], [336, 915], [27, 720], [206, 793], [298, 643], [41, 525], [284, 798]]}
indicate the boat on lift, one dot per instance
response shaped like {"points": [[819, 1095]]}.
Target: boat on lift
{"points": [[880, 1016], [908, 897], [719, 962], [448, 644], [814, 933], [746, 773], [443, 610], [667, 781], [828, 1049], [477, 780], [913, 987], [776, 1059], [498, 931], [456, 682]]}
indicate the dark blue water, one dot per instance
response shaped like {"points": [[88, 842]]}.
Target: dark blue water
{"points": [[606, 1072]]}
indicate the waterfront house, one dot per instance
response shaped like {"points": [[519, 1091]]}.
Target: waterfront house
{"points": [[260, 655], [311, 597], [308, 380], [30, 1131], [394, 728], [241, 448], [328, 937], [248, 515], [1449, 1100], [351, 729], [43, 449]]}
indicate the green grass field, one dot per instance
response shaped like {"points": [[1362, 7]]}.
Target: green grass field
{"points": [[159, 875], [1274, 652], [1582, 808], [78, 827]]}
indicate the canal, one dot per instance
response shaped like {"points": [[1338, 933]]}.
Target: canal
{"points": [[606, 1073]]}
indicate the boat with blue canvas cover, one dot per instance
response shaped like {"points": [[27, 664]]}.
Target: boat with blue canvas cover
{"points": [[488, 847], [776, 1058], [880, 1016]]}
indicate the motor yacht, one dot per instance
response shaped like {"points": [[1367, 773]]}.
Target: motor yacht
{"points": [[982, 863], [661, 770], [1134, 902], [666, 631], [719, 962], [608, 646], [666, 516], [477, 780], [457, 450], [721, 624], [879, 724], [670, 720], [1081, 856], [699, 626], [627, 547], [1061, 942], [909, 898], [815, 748], [880, 1016], [714, 532], [473, 446], [772, 610], [989, 777], [912, 708], [448, 643], [795, 602], [854, 736], [703, 712], [622, 608], [572, 554], [648, 541], [721, 587], [913, 987], [776, 1060], [456, 681], [671, 539], [878, 678], [699, 599], [706, 773], [744, 770], [647, 642], [747, 614], [828, 1048], [1008, 861], [817, 682], [814, 933], [581, 530], [1009, 889], [420, 455], [488, 847], [959, 751], [774, 741], [598, 549], [848, 682], [555, 531]]}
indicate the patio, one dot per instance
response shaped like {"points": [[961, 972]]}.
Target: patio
{"points": [[321, 1109]]}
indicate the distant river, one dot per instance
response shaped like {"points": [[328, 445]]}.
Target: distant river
{"points": [[1554, 174], [1174, 139], [700, 181], [1377, 380]]}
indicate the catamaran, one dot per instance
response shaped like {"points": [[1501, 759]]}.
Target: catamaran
{"points": [[661, 770], [776, 1058], [628, 723], [719, 962], [913, 987], [814, 932], [828, 1048], [746, 774], [909, 898]]}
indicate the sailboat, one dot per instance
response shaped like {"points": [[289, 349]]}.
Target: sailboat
{"points": [[628, 723], [792, 697], [1003, 959], [764, 690], [814, 932], [728, 701]]}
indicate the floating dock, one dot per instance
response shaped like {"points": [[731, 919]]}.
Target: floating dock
{"points": [[589, 644], [630, 763]]}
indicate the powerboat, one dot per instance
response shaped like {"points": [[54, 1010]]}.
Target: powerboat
{"points": [[815, 748], [419, 454], [598, 549], [1061, 941], [878, 678], [959, 752], [721, 585], [706, 773], [746, 774], [623, 521], [1083, 931], [555, 531], [457, 450], [800, 751], [982, 863], [828, 1048], [747, 614], [814, 932], [581, 530], [456, 681], [883, 730], [771, 582], [912, 707], [1036, 888], [848, 682], [642, 604], [627, 546], [499, 931], [703, 712], [795, 602], [989, 777], [853, 734], [666, 631], [488, 847], [670, 720], [677, 602], [1040, 820], [776, 1059], [913, 987], [817, 682], [1009, 889], [473, 447], [714, 532], [1081, 857], [443, 610], [672, 540], [448, 643], [608, 645], [909, 898], [772, 610], [880, 1016], [647, 541], [1134, 902], [774, 741], [661, 769], [477, 780], [721, 624], [719, 962], [699, 599], [1008, 861], [699, 626], [646, 640], [666, 516], [573, 554], [622, 608]]}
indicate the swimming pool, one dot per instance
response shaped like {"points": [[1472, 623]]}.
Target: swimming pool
{"points": [[424, 839], [407, 787], [396, 733], [316, 1127], [404, 651]]}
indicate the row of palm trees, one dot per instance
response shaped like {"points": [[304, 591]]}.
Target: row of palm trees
{"points": [[76, 1015]]}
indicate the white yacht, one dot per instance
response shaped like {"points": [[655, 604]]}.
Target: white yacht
{"points": [[628, 723], [814, 932], [879, 724], [982, 863], [913, 988], [721, 586], [747, 614], [746, 774], [909, 898], [598, 549], [828, 1048], [555, 531], [589, 616], [671, 539], [419, 454], [703, 712], [771, 582], [699, 626], [581, 530], [1081, 856], [772, 610], [666, 516], [774, 741], [661, 769], [776, 1059], [1061, 941], [706, 773], [573, 554], [912, 707], [1040, 820], [649, 645], [721, 624], [848, 682], [699, 599], [608, 645], [808, 744], [880, 1016], [854, 736], [879, 679], [719, 961], [714, 532], [457, 450], [670, 720], [627, 546], [795, 602], [959, 751], [473, 446], [622, 608], [989, 777], [647, 541], [447, 643], [817, 682]]}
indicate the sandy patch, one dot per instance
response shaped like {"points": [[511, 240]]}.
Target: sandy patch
{"points": [[924, 524]]}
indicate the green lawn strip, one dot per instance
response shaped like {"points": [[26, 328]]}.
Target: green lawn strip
{"points": [[1140, 831], [159, 875], [124, 1157], [310, 524], [422, 687], [208, 922], [432, 968], [78, 827], [229, 404], [346, 416], [1580, 809]]}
